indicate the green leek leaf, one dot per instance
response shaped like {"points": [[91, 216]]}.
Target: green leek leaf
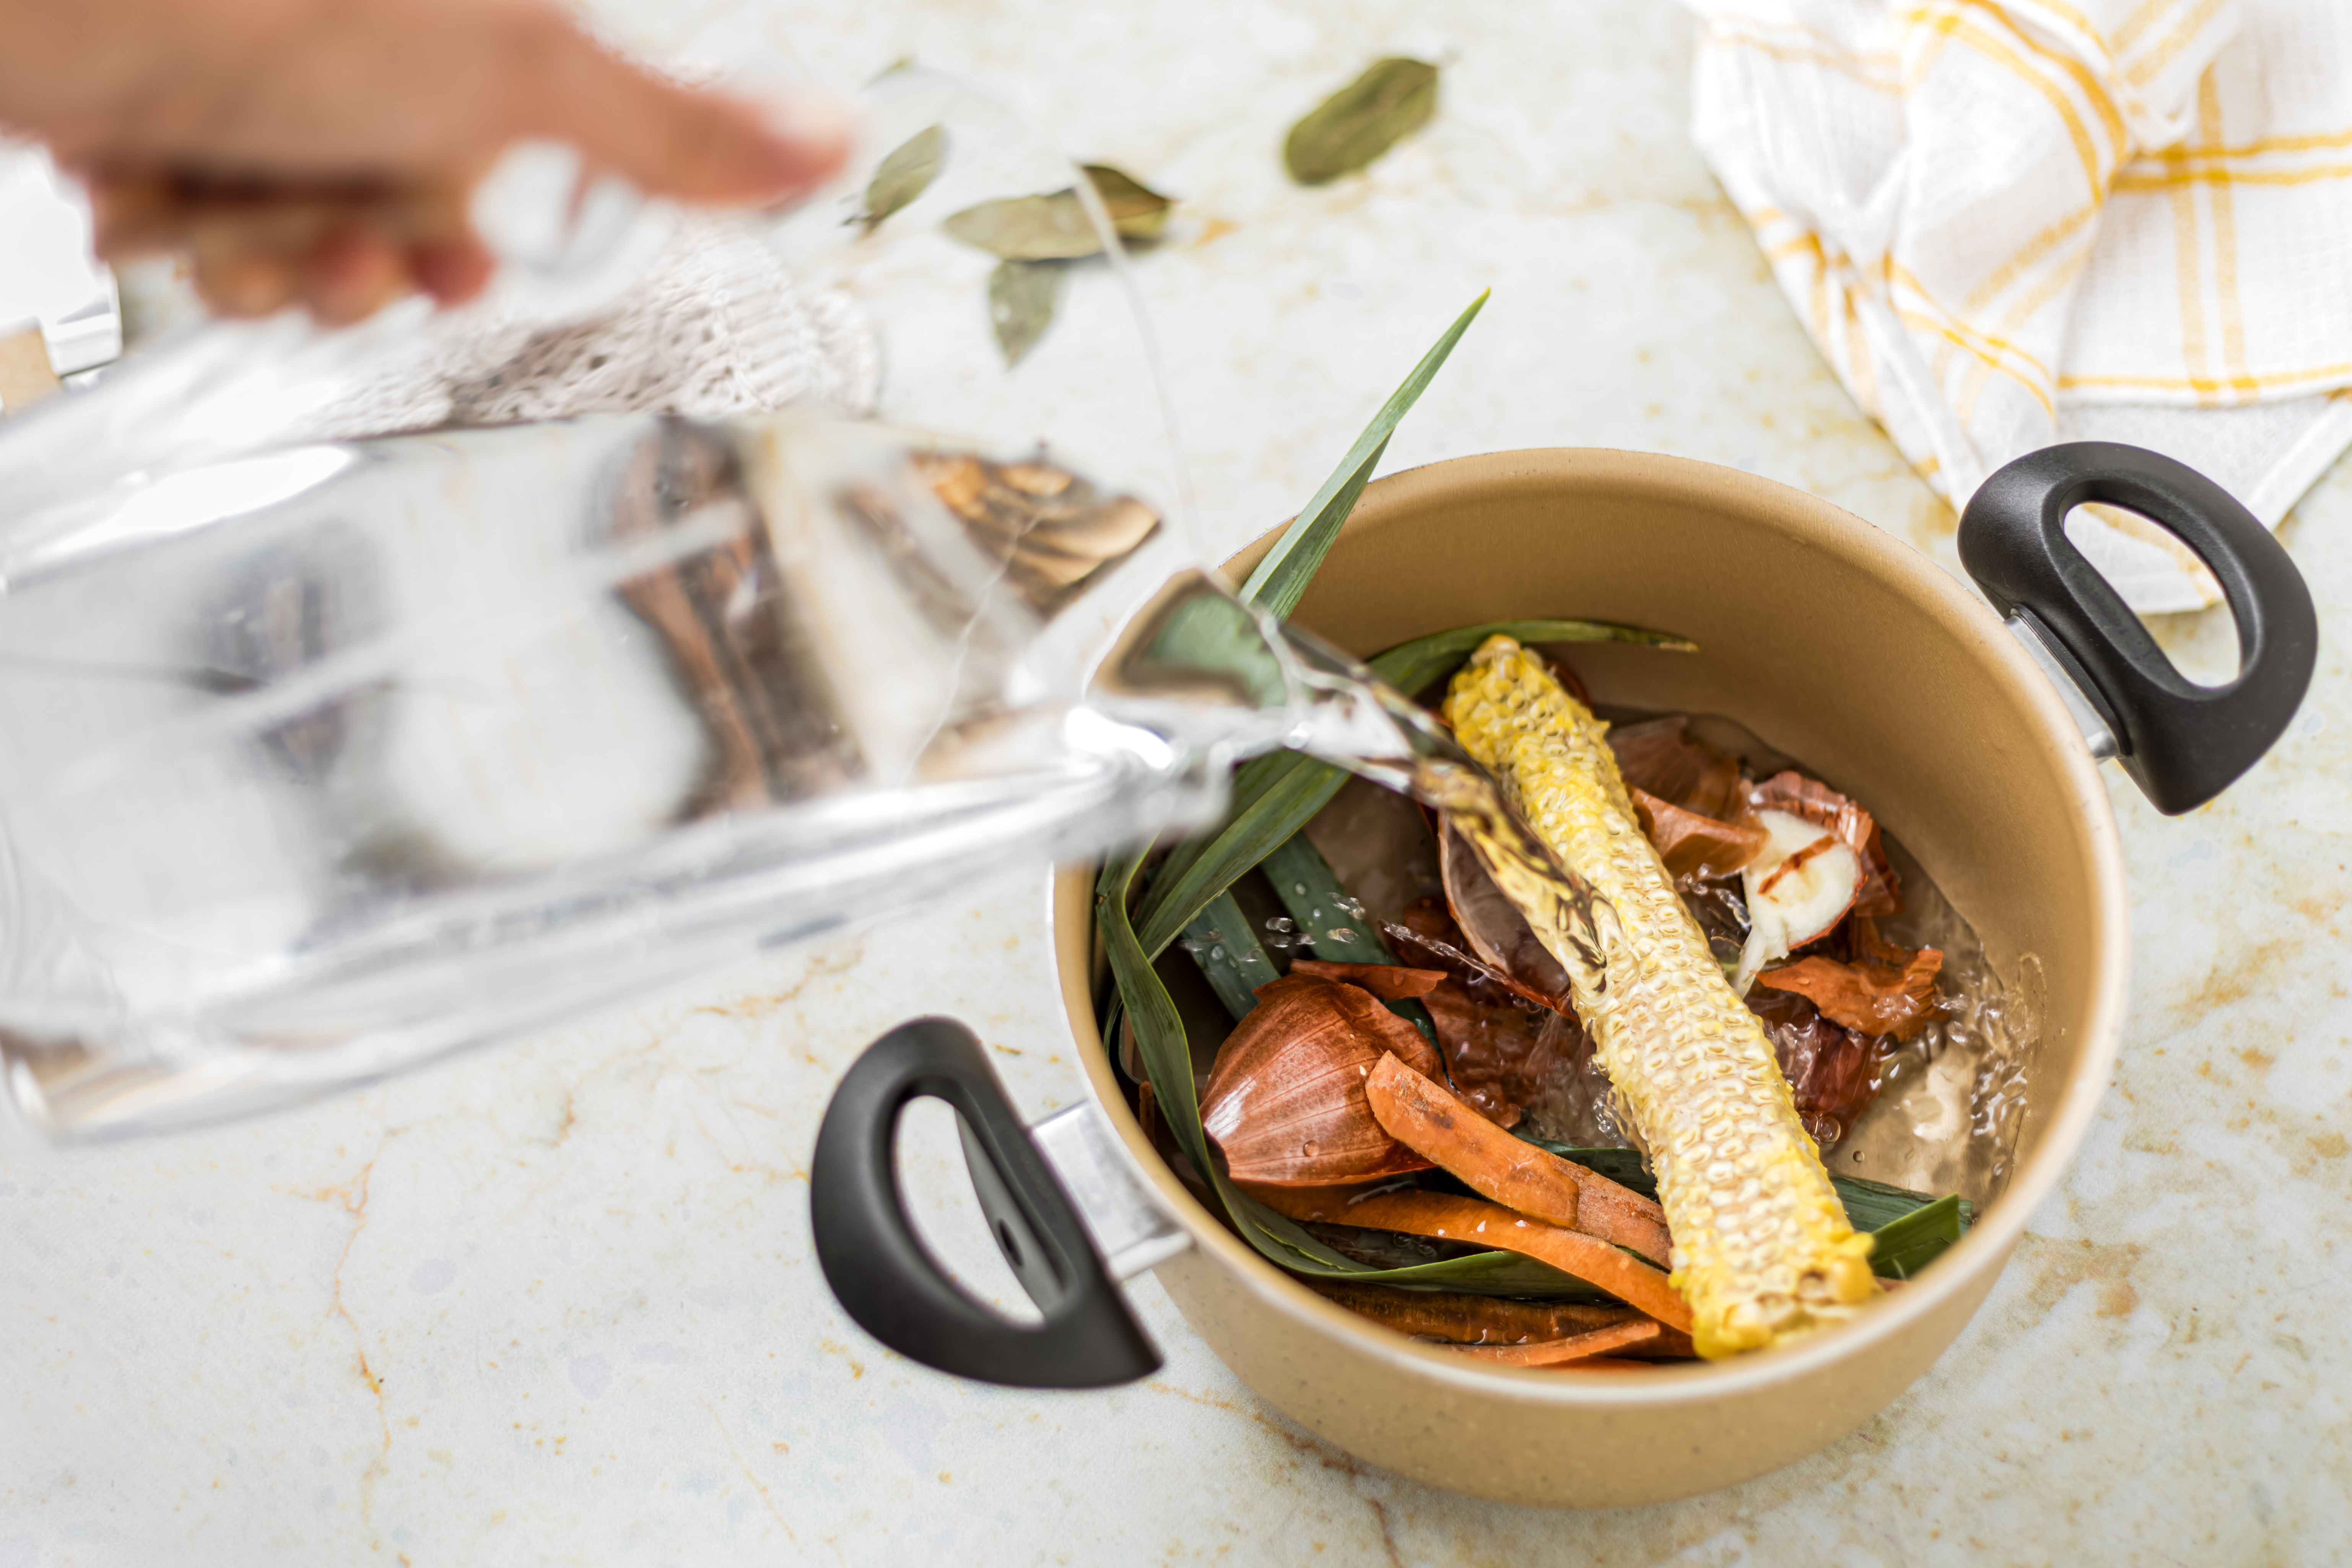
{"points": [[1286, 793], [1229, 954], [1909, 1244], [1411, 667], [1912, 1228], [1331, 921], [1283, 576]]}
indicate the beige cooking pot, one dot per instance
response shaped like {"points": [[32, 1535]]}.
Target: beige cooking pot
{"points": [[1972, 740]]}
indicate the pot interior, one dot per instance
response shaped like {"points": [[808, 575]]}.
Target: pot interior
{"points": [[1830, 641]]}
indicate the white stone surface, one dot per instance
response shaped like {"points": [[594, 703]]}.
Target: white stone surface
{"points": [[556, 1303]]}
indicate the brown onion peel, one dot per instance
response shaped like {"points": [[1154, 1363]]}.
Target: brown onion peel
{"points": [[1871, 999], [1693, 845], [1505, 945], [1502, 1050], [1833, 1072], [1388, 981], [1285, 1100], [1658, 758]]}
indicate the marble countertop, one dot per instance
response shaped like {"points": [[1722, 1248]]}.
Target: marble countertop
{"points": [[556, 1302]]}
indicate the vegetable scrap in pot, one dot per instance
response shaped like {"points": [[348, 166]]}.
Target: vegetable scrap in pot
{"points": [[1348, 1141], [1453, 1318], [1446, 1132], [1874, 999], [1619, 1340], [1498, 933], [1797, 887], [1286, 1098], [1501, 1050], [1693, 845], [1881, 893], [1635, 1281], [1427, 1118], [1388, 981], [1832, 1071], [1448, 1217], [1660, 759]]}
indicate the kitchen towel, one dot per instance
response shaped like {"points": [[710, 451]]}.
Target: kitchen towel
{"points": [[713, 324], [2007, 223]]}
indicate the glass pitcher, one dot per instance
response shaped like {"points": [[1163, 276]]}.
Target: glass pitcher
{"points": [[324, 760]]}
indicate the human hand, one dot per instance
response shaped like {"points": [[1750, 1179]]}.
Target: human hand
{"points": [[322, 151]]}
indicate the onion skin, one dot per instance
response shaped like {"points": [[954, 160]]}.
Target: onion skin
{"points": [[1286, 1098], [1692, 845], [1503, 1050], [1871, 998]]}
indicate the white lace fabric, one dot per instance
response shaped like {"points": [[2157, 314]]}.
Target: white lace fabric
{"points": [[713, 326]]}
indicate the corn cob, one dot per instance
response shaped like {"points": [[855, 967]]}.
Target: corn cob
{"points": [[1762, 1249]]}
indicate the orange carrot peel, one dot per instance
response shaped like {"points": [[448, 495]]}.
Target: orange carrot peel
{"points": [[1640, 1332], [1450, 1218], [1431, 1120]]}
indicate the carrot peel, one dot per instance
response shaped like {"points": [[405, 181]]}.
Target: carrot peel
{"points": [[1575, 1348], [1433, 1122], [1597, 1262]]}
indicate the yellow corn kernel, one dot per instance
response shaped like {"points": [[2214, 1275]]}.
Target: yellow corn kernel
{"points": [[1762, 1249]]}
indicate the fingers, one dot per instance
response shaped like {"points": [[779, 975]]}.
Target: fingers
{"points": [[343, 234], [351, 274], [244, 283], [452, 270], [343, 252], [696, 145]]}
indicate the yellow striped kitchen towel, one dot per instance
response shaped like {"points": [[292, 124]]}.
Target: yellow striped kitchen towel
{"points": [[2014, 222]]}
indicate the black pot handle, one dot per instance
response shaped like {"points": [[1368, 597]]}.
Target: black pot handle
{"points": [[2182, 743], [885, 1279]]}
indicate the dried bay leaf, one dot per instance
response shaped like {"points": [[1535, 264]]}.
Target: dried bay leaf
{"points": [[905, 174], [1028, 229], [1137, 211], [1394, 98], [1022, 297], [1053, 226]]}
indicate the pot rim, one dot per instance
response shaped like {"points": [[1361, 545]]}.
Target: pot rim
{"points": [[1954, 609]]}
